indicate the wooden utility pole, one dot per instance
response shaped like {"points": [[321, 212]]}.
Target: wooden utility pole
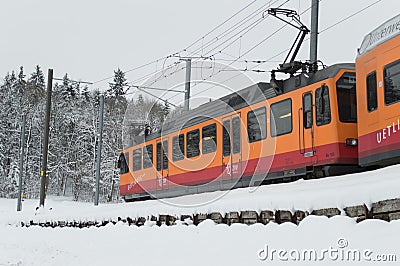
{"points": [[43, 171], [21, 163], [99, 146]]}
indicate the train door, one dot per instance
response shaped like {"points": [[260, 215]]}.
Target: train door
{"points": [[162, 164], [231, 147], [306, 127]]}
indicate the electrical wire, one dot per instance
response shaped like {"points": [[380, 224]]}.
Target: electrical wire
{"points": [[268, 37], [221, 24], [200, 39], [348, 17], [282, 52]]}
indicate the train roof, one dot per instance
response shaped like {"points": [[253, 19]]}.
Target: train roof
{"points": [[244, 97], [383, 33]]}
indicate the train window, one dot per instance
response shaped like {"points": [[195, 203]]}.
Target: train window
{"points": [[123, 163], [192, 143], [307, 110], [281, 118], [257, 124], [162, 155], [236, 134], [226, 138], [372, 93], [165, 154], [209, 138], [148, 156], [158, 156], [137, 159], [392, 82], [323, 106], [178, 148], [346, 97]]}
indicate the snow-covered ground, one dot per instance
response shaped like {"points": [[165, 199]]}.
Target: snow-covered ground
{"points": [[331, 241], [307, 195], [316, 241]]}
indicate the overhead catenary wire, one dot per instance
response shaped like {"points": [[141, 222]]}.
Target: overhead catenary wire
{"points": [[236, 26], [133, 69], [242, 54], [188, 47], [350, 16], [265, 39], [284, 51], [242, 32], [221, 24], [268, 37]]}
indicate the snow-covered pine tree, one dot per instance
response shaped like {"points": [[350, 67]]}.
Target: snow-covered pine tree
{"points": [[116, 88], [37, 78], [9, 132]]}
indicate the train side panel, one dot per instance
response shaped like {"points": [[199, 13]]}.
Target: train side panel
{"points": [[378, 96], [288, 135]]}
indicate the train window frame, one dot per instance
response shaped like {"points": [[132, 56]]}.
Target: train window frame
{"points": [[308, 123], [273, 129], [226, 137], [257, 114], [236, 144], [178, 147], [385, 77], [192, 140], [321, 102], [372, 108], [135, 161], [147, 159], [209, 145], [347, 97]]}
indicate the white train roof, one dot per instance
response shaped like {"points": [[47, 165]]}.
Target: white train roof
{"points": [[381, 34]]}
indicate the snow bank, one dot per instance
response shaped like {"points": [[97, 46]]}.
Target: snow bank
{"points": [[306, 195]]}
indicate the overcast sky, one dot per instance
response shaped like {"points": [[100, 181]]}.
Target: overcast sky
{"points": [[88, 39]]}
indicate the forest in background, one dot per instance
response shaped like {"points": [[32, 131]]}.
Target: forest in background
{"points": [[73, 134]]}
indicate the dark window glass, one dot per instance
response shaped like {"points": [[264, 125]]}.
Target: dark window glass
{"points": [[281, 118], [257, 124], [165, 154], [162, 161], [236, 134], [323, 106], [346, 97], [372, 93], [226, 138], [209, 138], [148, 156], [137, 159], [307, 111], [123, 163], [178, 148], [392, 82], [158, 156], [192, 143]]}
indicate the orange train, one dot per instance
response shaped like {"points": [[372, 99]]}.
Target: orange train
{"points": [[340, 119]]}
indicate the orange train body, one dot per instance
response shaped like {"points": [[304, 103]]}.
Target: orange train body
{"points": [[378, 95], [314, 128]]}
